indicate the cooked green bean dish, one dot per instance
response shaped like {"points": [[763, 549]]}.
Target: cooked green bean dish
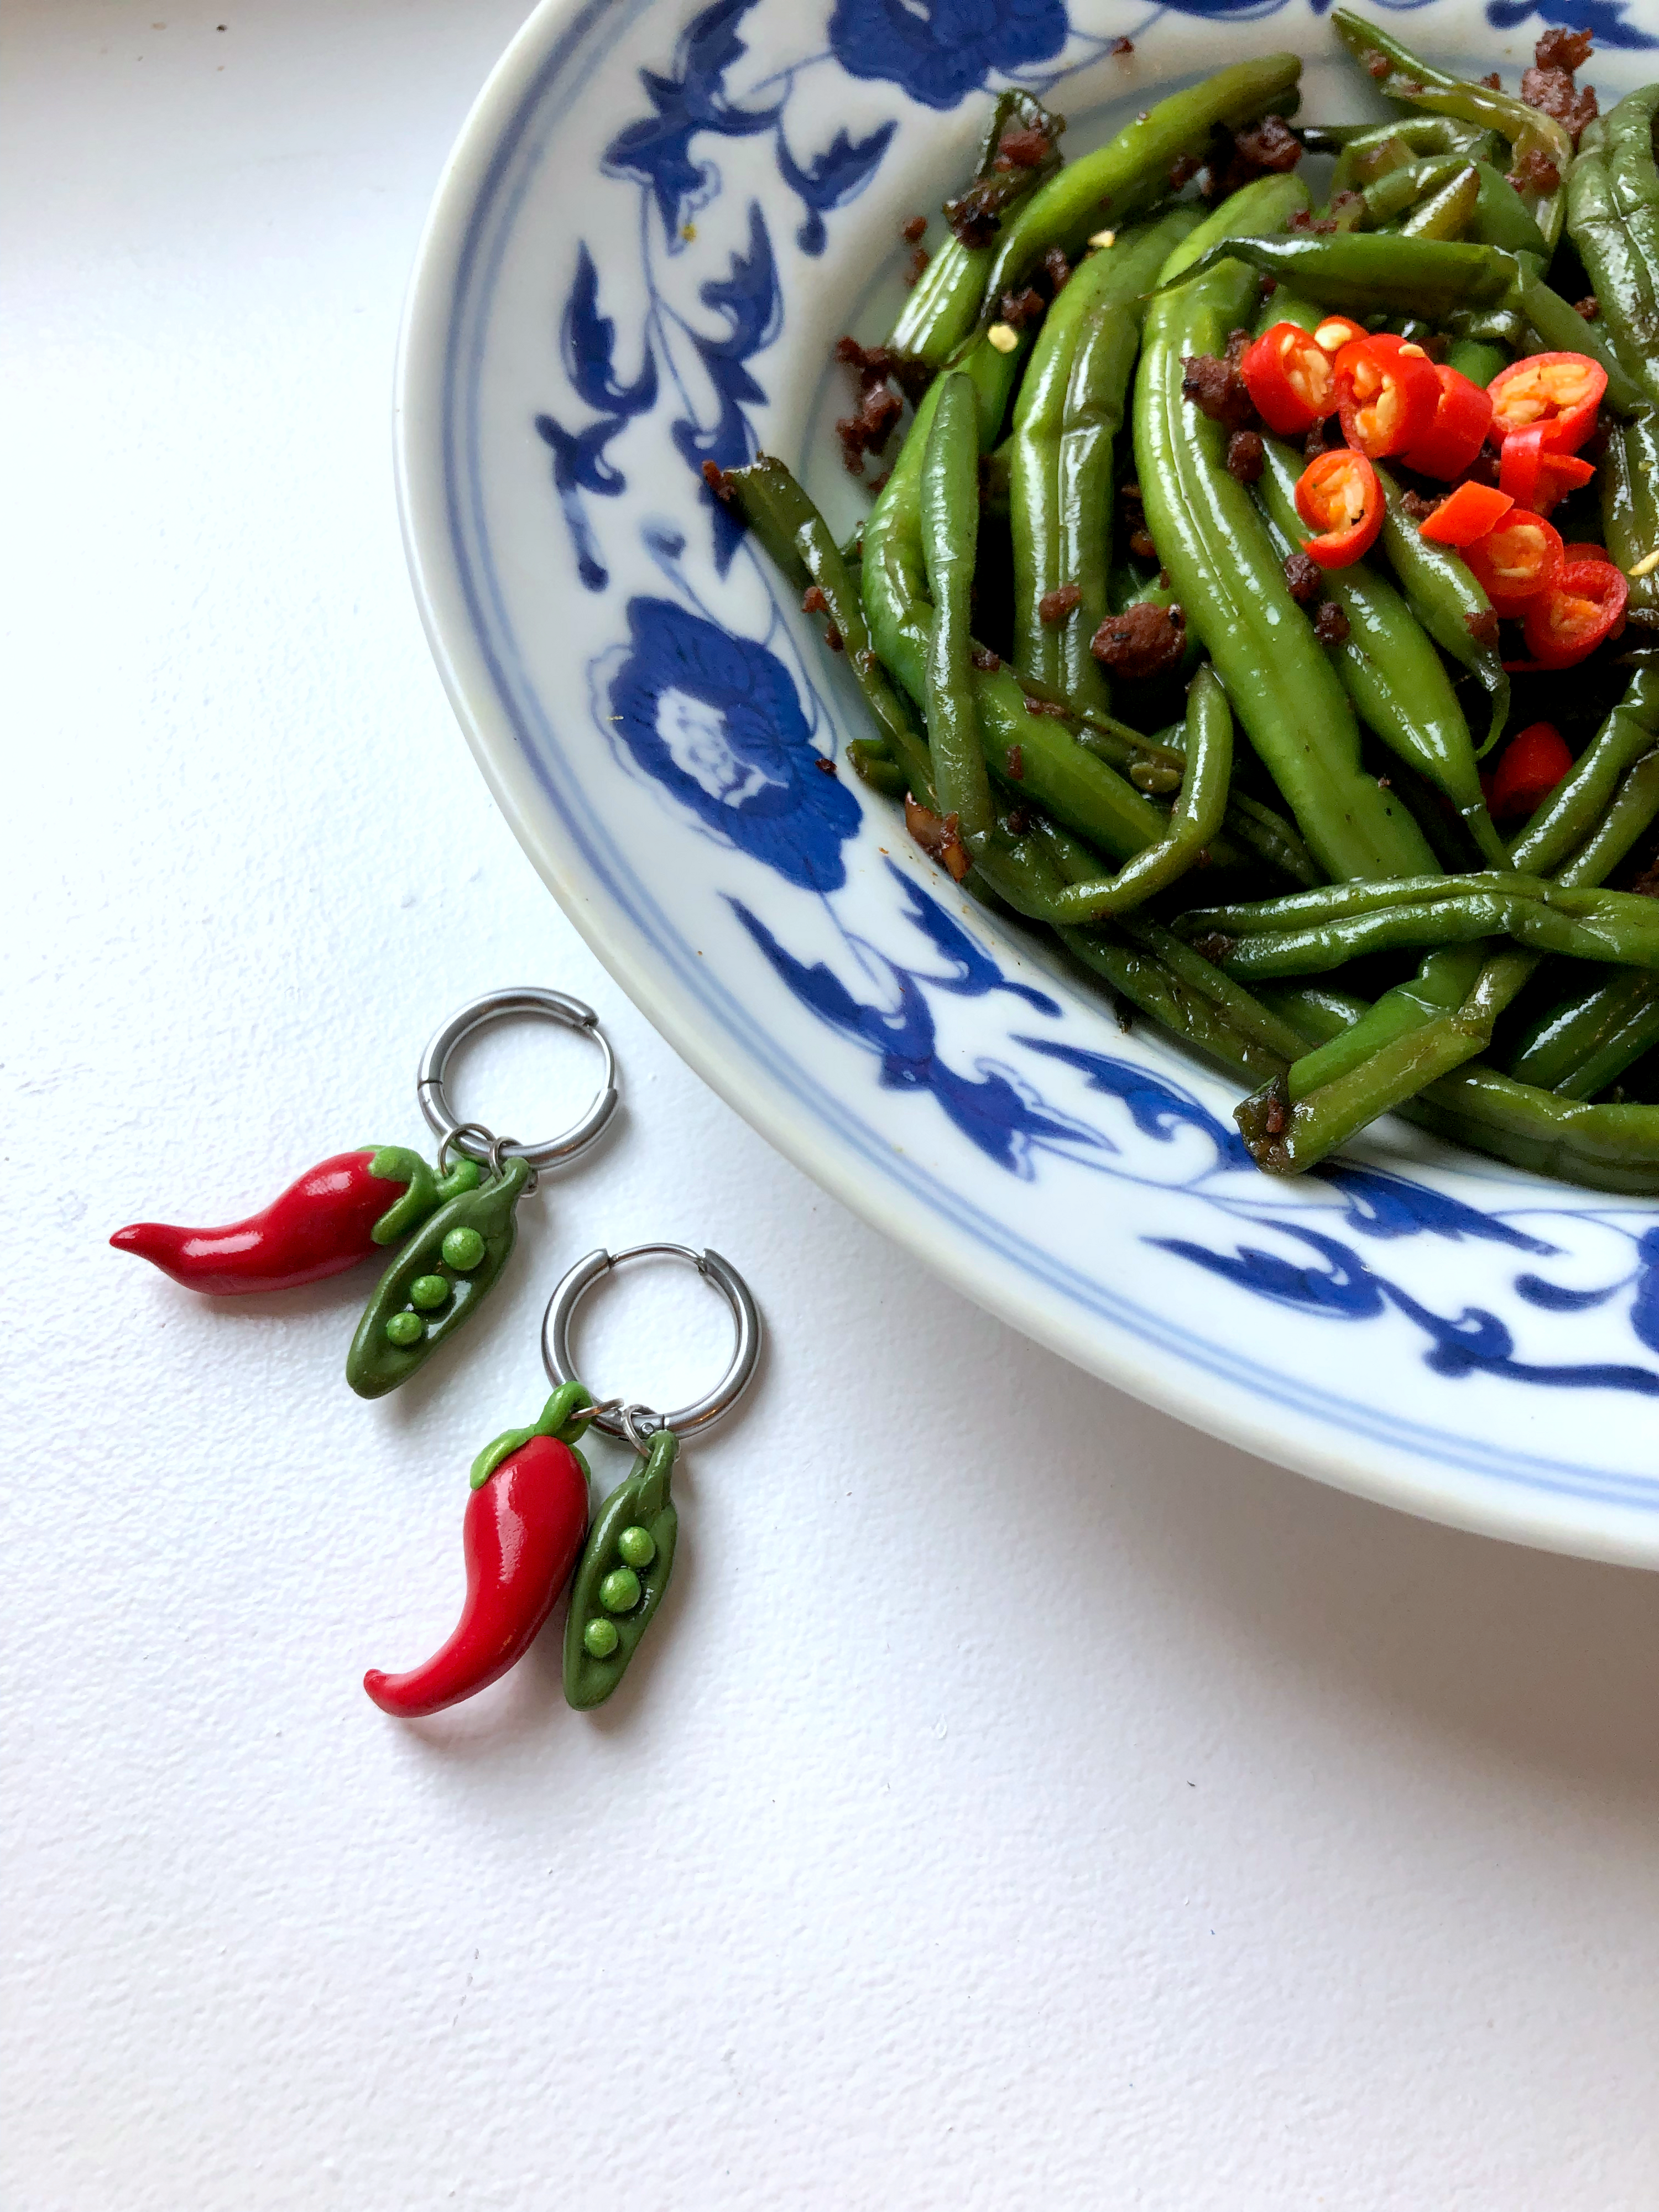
{"points": [[1262, 590]]}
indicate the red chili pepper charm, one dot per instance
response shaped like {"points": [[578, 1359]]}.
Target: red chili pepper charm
{"points": [[338, 1212], [522, 1531]]}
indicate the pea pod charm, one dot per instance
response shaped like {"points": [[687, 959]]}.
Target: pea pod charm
{"points": [[629, 1553], [437, 1282], [624, 1572]]}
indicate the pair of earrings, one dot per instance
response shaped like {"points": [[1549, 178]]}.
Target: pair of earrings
{"points": [[527, 1525]]}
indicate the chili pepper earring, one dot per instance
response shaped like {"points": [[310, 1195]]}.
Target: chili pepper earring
{"points": [[527, 1517], [459, 1226]]}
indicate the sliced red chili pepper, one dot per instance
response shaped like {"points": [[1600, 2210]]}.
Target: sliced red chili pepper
{"points": [[1585, 607], [1560, 391], [523, 1530], [321, 1224], [1516, 561], [1290, 378], [1528, 769], [1534, 477], [1470, 512], [1458, 430], [1338, 495], [1338, 330], [1387, 392]]}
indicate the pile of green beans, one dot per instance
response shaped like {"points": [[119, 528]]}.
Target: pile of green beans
{"points": [[1325, 909]]}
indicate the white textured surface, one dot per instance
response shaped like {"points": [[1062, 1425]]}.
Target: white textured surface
{"points": [[1025, 1802]]}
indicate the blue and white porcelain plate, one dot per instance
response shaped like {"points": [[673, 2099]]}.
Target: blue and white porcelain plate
{"points": [[658, 220]]}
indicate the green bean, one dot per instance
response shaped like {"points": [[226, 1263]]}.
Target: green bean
{"points": [[1067, 414], [876, 763], [1037, 759], [1501, 217], [950, 537], [1607, 1148], [1396, 191], [1610, 926], [1030, 754], [1559, 328], [1586, 1043], [1139, 977], [1298, 912], [940, 309], [1365, 151], [1528, 131], [1133, 169], [1451, 1003], [1626, 821], [1270, 837], [1449, 212], [893, 575], [1627, 135], [1222, 565], [1629, 508], [1571, 813], [1620, 274], [1442, 593], [1363, 271], [1613, 1148], [1479, 362], [799, 540], [1389, 668], [1197, 815]]}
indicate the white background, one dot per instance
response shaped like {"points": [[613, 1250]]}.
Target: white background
{"points": [[1022, 1800]]}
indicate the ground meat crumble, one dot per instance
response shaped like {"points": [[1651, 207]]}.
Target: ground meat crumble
{"points": [[938, 835], [868, 429], [1245, 456], [1059, 605], [1304, 577], [1217, 388], [1144, 640]]}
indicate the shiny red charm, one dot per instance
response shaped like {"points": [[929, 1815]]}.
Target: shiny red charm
{"points": [[523, 1528], [321, 1225]]}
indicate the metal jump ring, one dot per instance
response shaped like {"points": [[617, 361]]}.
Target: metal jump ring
{"points": [[452, 1143], [629, 1420], [471, 1138]]}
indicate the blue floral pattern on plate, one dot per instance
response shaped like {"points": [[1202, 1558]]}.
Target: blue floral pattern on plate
{"points": [[1095, 1190]]}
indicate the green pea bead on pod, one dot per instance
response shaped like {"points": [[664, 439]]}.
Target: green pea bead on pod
{"points": [[629, 1557], [420, 1286], [445, 1270]]}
